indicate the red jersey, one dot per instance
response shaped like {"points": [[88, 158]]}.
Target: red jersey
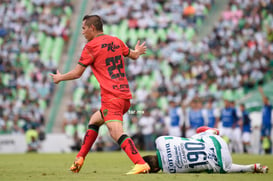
{"points": [[105, 56]]}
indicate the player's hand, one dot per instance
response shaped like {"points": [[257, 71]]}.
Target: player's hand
{"points": [[56, 77], [141, 49]]}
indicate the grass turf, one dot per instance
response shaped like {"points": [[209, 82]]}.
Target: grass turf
{"points": [[108, 166]]}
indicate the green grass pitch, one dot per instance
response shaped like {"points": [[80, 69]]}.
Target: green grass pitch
{"points": [[109, 166]]}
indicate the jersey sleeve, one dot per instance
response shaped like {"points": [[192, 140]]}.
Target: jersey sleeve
{"points": [[86, 57], [125, 48]]}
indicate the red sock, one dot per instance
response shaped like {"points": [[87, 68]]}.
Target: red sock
{"points": [[127, 144], [89, 139]]}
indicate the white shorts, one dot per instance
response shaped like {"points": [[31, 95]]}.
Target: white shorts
{"points": [[175, 131], [226, 132], [237, 135], [246, 137], [190, 132]]}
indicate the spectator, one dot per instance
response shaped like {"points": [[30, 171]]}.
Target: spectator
{"points": [[266, 123], [32, 140], [134, 131], [27, 28], [195, 118], [246, 129], [212, 114], [77, 141], [5, 123], [146, 124], [237, 145], [228, 118], [176, 117], [70, 120]]}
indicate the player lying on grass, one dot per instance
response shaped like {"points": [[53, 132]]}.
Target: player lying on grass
{"points": [[203, 152]]}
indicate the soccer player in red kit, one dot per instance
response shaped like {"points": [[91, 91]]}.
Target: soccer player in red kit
{"points": [[104, 54]]}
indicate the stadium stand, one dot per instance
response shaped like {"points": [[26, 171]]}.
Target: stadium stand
{"points": [[229, 63], [32, 38], [233, 60], [161, 17]]}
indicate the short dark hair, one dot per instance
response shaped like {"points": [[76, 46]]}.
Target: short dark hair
{"points": [[93, 20], [152, 161]]}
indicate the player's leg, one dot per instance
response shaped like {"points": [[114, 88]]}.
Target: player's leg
{"points": [[90, 137], [128, 146], [190, 132], [237, 140], [235, 168], [175, 131], [91, 134], [255, 168], [246, 142], [113, 116], [229, 167], [255, 139], [227, 136], [264, 139]]}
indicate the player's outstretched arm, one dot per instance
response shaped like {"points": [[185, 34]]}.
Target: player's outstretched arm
{"points": [[73, 74], [262, 93], [139, 50]]}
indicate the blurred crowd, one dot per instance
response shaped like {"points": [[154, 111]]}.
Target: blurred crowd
{"points": [[27, 28], [180, 84], [153, 14], [181, 77]]}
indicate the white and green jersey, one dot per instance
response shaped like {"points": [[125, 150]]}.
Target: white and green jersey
{"points": [[202, 152]]}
